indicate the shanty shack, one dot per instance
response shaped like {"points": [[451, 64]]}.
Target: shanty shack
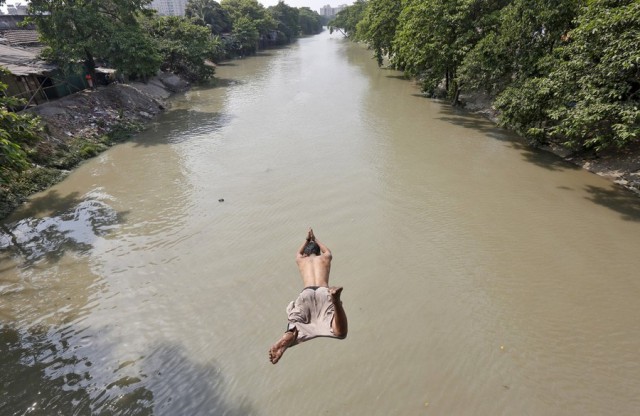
{"points": [[25, 75]]}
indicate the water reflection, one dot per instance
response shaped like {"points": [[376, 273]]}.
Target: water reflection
{"points": [[81, 222], [29, 356], [48, 370]]}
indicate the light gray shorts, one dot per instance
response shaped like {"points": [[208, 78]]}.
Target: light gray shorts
{"points": [[311, 314]]}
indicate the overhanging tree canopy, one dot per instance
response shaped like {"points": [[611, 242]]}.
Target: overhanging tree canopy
{"points": [[86, 30]]}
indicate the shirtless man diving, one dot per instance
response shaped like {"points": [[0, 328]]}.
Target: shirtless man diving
{"points": [[317, 312]]}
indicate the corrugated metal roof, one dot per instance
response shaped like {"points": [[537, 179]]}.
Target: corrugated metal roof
{"points": [[21, 37], [23, 62]]}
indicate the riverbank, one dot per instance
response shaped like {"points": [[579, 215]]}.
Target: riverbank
{"points": [[621, 166], [80, 126]]}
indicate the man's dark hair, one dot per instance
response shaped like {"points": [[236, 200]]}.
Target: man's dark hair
{"points": [[311, 248]]}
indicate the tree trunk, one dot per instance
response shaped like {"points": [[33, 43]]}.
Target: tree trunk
{"points": [[456, 96]]}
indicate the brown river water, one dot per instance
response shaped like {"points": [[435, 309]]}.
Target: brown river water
{"points": [[481, 277]]}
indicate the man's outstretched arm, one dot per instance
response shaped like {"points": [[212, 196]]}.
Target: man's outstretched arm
{"points": [[324, 250]]}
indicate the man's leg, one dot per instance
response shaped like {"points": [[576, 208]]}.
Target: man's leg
{"points": [[339, 324], [277, 349]]}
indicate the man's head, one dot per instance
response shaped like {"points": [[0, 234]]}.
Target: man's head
{"points": [[311, 248]]}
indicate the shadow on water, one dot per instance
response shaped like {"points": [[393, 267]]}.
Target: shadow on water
{"points": [[264, 54], [227, 82], [463, 118], [401, 78], [542, 158], [238, 60], [181, 125], [41, 373], [74, 224], [618, 199], [183, 387], [52, 201]]}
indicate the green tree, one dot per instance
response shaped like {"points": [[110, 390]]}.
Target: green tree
{"points": [[246, 36], [252, 10], [210, 13], [378, 26], [17, 131], [184, 46], [521, 33], [433, 37], [588, 95], [133, 55], [86, 30], [250, 22], [346, 21], [310, 22], [286, 18]]}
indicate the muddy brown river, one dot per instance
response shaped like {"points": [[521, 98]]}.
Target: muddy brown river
{"points": [[481, 277]]}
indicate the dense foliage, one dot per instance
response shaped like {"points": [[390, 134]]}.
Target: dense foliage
{"points": [[251, 22], [186, 47], [519, 35], [310, 22], [124, 34], [244, 26], [566, 71], [211, 14], [16, 131], [378, 26], [88, 30], [286, 18], [587, 93], [346, 21]]}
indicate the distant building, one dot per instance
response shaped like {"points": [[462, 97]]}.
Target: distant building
{"points": [[328, 11], [18, 9], [169, 7]]}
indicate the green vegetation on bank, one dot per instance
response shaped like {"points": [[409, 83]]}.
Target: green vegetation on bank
{"points": [[562, 71], [17, 133]]}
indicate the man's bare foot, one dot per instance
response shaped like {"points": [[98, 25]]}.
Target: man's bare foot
{"points": [[335, 292], [277, 350]]}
